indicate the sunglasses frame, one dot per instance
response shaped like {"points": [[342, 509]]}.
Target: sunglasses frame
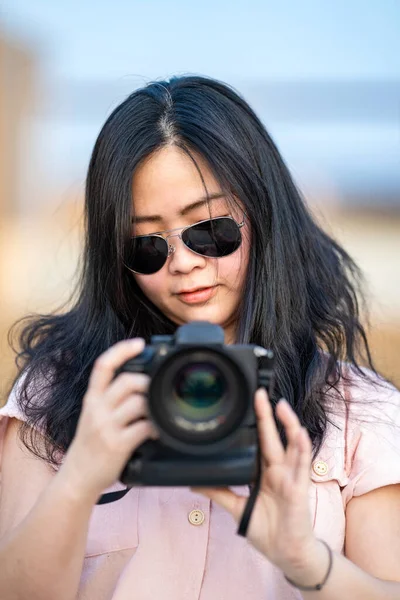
{"points": [[171, 249]]}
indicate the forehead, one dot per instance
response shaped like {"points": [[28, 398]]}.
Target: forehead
{"points": [[169, 180]]}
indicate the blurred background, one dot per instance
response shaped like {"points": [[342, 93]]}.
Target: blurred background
{"points": [[323, 77]]}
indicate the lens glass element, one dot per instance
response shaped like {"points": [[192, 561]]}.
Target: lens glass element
{"points": [[198, 396], [199, 390]]}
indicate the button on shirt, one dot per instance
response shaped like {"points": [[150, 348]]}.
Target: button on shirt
{"points": [[196, 517], [320, 467], [206, 560]]}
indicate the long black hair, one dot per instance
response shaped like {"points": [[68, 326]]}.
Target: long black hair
{"points": [[302, 293]]}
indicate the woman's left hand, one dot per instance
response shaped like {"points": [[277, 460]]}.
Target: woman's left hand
{"points": [[280, 526]]}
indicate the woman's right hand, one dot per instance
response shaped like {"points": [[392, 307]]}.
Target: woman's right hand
{"points": [[112, 424]]}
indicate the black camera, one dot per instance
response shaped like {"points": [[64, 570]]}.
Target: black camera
{"points": [[201, 400]]}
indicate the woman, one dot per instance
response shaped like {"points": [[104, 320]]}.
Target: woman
{"points": [[171, 156]]}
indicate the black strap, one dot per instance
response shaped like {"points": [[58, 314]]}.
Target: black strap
{"points": [[244, 523], [112, 496], [248, 509], [267, 381]]}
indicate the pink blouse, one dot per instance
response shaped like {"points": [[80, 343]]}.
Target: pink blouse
{"points": [[151, 544]]}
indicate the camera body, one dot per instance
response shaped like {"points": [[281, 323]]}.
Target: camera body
{"points": [[201, 400]]}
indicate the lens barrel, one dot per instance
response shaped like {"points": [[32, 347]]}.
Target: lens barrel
{"points": [[198, 398]]}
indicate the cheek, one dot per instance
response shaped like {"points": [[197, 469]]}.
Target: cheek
{"points": [[151, 285], [233, 268]]}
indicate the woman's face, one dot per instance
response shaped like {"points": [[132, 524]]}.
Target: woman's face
{"points": [[164, 187]]}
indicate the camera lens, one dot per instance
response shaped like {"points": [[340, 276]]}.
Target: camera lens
{"points": [[198, 397], [199, 390]]}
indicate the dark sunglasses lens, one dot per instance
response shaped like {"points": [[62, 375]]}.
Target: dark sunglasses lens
{"points": [[215, 238], [146, 254]]}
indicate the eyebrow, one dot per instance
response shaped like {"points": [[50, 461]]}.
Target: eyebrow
{"points": [[183, 212]]}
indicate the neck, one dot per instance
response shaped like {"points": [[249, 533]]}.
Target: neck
{"points": [[230, 334]]}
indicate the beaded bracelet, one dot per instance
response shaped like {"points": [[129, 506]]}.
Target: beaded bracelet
{"points": [[319, 585]]}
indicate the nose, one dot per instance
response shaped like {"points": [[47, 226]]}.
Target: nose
{"points": [[183, 260]]}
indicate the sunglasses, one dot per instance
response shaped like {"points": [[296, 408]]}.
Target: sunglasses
{"points": [[214, 238]]}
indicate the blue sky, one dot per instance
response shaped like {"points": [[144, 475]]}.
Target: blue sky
{"points": [[117, 45], [223, 38]]}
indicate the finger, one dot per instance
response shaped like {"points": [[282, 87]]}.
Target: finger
{"points": [[292, 458], [299, 444], [270, 442], [225, 498], [126, 384], [288, 418], [302, 476], [139, 432], [133, 408], [107, 363], [290, 421]]}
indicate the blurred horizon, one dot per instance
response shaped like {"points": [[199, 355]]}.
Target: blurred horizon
{"points": [[324, 79], [359, 121]]}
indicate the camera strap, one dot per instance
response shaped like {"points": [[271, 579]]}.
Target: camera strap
{"points": [[244, 522], [112, 496], [248, 509]]}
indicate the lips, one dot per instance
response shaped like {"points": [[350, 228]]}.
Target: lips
{"points": [[197, 295], [197, 289]]}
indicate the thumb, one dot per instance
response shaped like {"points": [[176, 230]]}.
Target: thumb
{"points": [[224, 497]]}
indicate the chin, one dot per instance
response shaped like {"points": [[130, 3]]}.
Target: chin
{"points": [[201, 313]]}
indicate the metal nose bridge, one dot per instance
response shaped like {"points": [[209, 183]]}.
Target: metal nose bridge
{"points": [[171, 249]]}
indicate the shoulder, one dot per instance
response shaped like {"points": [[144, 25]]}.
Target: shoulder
{"points": [[364, 383], [363, 398], [22, 475], [371, 432], [372, 402], [361, 446], [28, 394], [12, 408]]}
